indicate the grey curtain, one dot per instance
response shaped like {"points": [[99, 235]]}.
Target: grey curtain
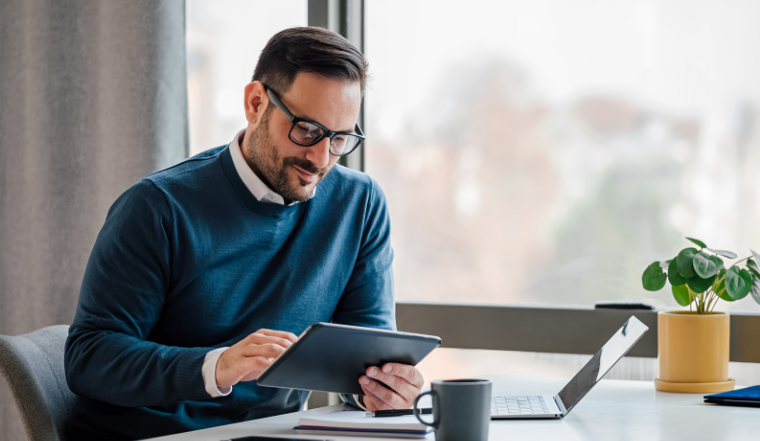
{"points": [[93, 96]]}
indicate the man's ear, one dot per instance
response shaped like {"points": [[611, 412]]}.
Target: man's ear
{"points": [[256, 101]]}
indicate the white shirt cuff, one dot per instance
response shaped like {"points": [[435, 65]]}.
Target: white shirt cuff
{"points": [[209, 374], [358, 400]]}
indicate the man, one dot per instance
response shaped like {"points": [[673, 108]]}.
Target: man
{"points": [[204, 273]]}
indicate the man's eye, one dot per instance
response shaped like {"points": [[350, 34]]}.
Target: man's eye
{"points": [[307, 130]]}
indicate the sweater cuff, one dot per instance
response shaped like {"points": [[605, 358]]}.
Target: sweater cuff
{"points": [[354, 400], [209, 374], [359, 402]]}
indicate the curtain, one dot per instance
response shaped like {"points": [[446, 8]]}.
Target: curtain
{"points": [[93, 96]]}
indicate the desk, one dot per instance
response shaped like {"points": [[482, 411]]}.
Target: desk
{"points": [[613, 410]]}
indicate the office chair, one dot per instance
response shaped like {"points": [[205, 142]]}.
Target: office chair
{"points": [[32, 365]]}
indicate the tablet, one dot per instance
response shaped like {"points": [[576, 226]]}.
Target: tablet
{"points": [[331, 358]]}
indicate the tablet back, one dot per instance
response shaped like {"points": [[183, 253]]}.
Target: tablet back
{"points": [[331, 358]]}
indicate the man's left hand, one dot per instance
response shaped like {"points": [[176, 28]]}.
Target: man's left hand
{"points": [[401, 384]]}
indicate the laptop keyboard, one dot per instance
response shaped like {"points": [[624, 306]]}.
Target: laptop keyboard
{"points": [[527, 405]]}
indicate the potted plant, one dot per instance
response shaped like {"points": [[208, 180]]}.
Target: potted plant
{"points": [[693, 345]]}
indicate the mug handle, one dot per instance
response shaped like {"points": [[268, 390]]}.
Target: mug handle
{"points": [[416, 410]]}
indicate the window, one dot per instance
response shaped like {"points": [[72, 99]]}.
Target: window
{"points": [[546, 151], [532, 151], [224, 40]]}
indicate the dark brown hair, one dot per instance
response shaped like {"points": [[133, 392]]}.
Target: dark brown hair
{"points": [[308, 49]]}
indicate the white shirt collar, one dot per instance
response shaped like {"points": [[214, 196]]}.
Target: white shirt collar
{"points": [[254, 184]]}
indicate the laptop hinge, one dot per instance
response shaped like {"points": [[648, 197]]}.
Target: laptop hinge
{"points": [[560, 405]]}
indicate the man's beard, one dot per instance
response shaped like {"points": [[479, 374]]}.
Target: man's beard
{"points": [[265, 158]]}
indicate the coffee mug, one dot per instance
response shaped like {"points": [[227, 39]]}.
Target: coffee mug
{"points": [[461, 409]]}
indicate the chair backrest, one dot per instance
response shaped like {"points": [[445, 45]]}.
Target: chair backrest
{"points": [[32, 365]]}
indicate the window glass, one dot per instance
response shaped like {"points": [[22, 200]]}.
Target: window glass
{"points": [[546, 151], [224, 40]]}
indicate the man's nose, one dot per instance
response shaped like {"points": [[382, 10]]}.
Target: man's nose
{"points": [[319, 153]]}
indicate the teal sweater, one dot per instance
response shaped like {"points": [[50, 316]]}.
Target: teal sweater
{"points": [[189, 260]]}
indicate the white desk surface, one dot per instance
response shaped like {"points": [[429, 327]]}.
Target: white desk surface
{"points": [[613, 410]]}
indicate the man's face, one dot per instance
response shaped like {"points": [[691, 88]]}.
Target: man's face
{"points": [[289, 169]]}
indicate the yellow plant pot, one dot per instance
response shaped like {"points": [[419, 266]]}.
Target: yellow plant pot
{"points": [[692, 350]]}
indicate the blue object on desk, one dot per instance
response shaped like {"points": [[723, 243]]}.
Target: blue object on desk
{"points": [[749, 396]]}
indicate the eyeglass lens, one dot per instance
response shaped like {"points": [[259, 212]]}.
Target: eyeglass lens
{"points": [[306, 134]]}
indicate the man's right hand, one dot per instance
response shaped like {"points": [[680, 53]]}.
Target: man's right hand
{"points": [[247, 359]]}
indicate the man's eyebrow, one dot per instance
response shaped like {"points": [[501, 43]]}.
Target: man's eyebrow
{"points": [[310, 119]]}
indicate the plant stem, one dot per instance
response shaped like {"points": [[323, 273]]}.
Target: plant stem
{"points": [[704, 302], [696, 302], [712, 301]]}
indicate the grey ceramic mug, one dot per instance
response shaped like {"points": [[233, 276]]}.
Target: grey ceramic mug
{"points": [[461, 409]]}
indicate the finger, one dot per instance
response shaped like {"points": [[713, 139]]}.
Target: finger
{"points": [[402, 387], [387, 396], [260, 339], [269, 350], [281, 334], [372, 402], [407, 372]]}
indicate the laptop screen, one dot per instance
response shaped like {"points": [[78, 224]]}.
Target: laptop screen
{"points": [[602, 362]]}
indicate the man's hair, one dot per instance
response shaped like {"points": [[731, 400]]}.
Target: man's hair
{"points": [[308, 49]]}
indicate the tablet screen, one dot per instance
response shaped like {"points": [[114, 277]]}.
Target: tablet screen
{"points": [[331, 358]]}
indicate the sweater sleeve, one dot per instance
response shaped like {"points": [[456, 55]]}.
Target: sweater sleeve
{"points": [[368, 299], [108, 354]]}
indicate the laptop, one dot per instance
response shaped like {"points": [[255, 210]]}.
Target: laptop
{"points": [[547, 406]]}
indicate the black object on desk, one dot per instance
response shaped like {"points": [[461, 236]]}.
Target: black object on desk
{"points": [[618, 304], [399, 412], [748, 397]]}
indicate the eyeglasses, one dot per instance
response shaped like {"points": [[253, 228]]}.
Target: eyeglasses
{"points": [[307, 133]]}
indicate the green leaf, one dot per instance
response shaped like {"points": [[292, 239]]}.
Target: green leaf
{"points": [[724, 253], [753, 267], [675, 277], [757, 256], [720, 288], [653, 278], [756, 289], [738, 282], [664, 263], [681, 293], [747, 277], [698, 284], [706, 265], [685, 262], [697, 241]]}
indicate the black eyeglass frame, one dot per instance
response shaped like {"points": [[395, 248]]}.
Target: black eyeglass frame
{"points": [[325, 131]]}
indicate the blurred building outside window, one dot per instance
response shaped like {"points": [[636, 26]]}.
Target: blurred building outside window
{"points": [[546, 151]]}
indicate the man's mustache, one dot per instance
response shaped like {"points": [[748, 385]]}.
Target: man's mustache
{"points": [[304, 164]]}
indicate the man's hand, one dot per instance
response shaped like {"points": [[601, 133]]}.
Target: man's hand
{"points": [[247, 359], [403, 385]]}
